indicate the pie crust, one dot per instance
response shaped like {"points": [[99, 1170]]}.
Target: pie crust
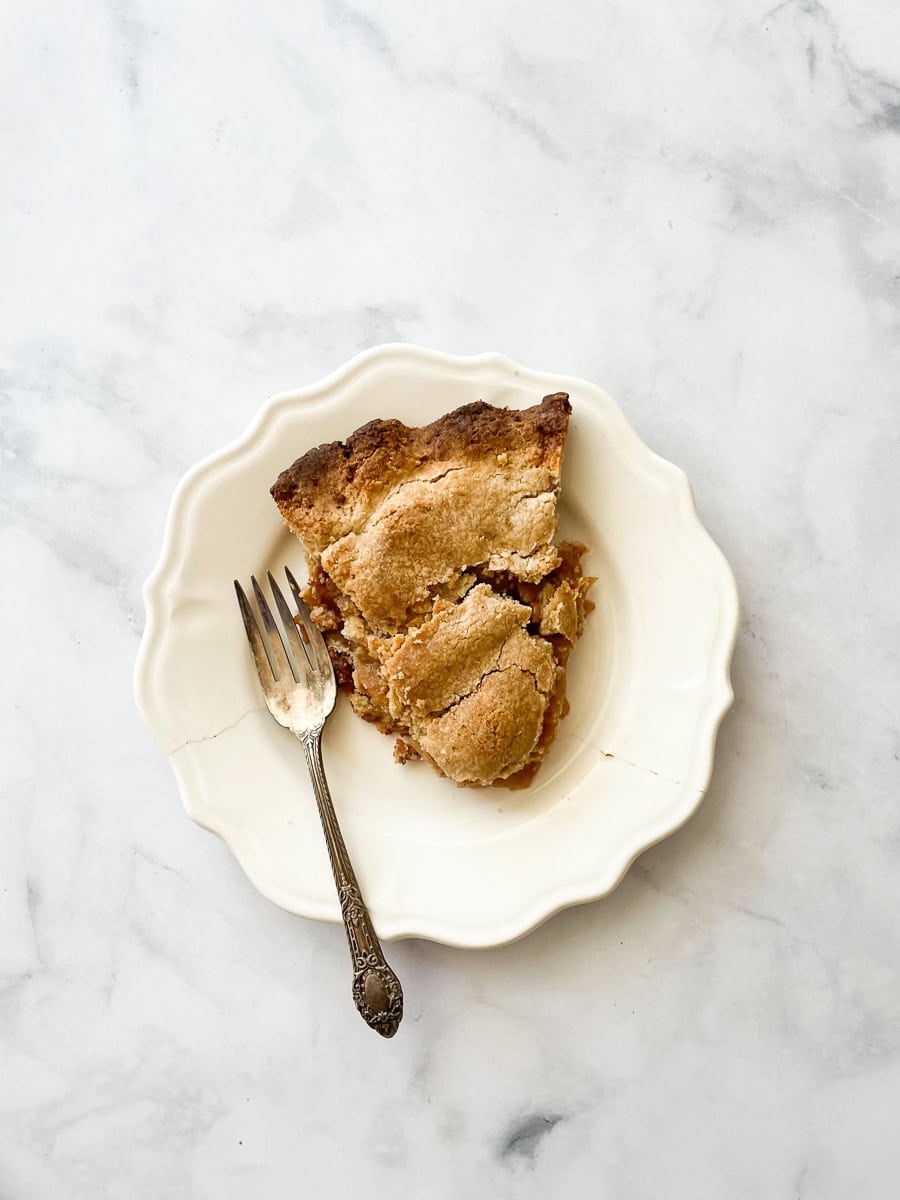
{"points": [[448, 608]]}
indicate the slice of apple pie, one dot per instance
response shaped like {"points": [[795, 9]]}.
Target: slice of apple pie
{"points": [[447, 606]]}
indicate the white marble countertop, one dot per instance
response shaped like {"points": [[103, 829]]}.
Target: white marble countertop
{"points": [[694, 205]]}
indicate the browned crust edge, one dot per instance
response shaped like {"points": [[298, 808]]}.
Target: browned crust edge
{"points": [[333, 476]]}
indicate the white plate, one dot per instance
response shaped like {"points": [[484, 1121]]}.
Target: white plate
{"points": [[648, 683]]}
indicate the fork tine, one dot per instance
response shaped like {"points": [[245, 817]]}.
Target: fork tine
{"points": [[281, 667], [314, 640], [294, 588], [254, 637], [298, 651]]}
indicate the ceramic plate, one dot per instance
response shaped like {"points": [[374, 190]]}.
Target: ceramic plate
{"points": [[648, 683]]}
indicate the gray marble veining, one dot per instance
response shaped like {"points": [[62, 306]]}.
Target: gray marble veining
{"points": [[698, 207]]}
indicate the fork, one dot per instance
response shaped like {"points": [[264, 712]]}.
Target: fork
{"points": [[298, 683]]}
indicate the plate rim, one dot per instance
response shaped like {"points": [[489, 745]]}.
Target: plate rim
{"points": [[418, 925]]}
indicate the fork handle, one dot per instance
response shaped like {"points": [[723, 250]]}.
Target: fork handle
{"points": [[376, 989]]}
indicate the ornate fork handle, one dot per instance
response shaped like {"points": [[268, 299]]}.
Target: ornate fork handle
{"points": [[376, 989]]}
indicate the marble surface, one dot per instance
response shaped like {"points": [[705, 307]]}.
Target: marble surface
{"points": [[694, 205]]}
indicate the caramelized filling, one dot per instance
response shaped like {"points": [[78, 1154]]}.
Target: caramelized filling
{"points": [[359, 674]]}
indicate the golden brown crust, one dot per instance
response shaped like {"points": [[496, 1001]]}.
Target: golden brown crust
{"points": [[434, 570], [466, 656], [327, 492], [491, 732], [397, 516]]}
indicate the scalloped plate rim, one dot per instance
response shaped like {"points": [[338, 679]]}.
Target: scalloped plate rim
{"points": [[420, 925]]}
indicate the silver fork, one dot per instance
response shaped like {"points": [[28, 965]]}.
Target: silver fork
{"points": [[299, 686]]}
